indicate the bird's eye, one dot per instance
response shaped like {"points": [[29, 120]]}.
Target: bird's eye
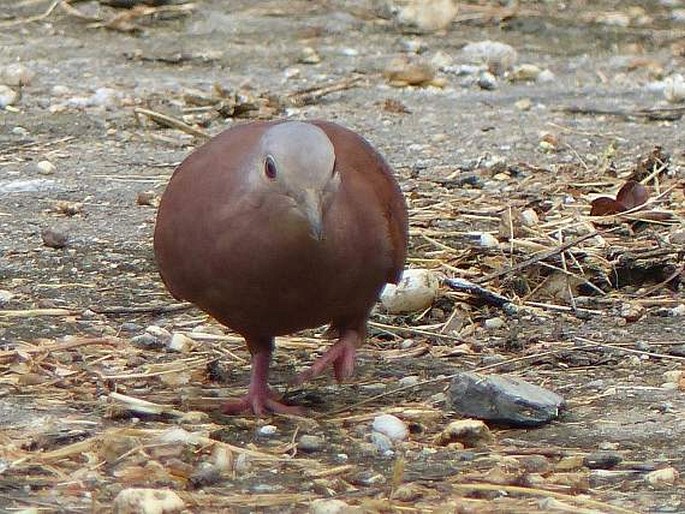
{"points": [[270, 168]]}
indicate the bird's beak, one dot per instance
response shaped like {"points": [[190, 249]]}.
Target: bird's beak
{"points": [[310, 204]]}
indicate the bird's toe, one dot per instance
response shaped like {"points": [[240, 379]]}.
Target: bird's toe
{"points": [[341, 356], [260, 405]]}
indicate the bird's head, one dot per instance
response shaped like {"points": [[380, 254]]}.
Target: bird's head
{"points": [[297, 163]]}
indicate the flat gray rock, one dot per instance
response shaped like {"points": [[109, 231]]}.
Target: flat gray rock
{"points": [[503, 400]]}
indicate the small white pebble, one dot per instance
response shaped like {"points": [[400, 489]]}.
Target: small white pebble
{"points": [[438, 398], [16, 74], [546, 76], [407, 343], [493, 323], [678, 310], [60, 90], [326, 506], [667, 476], [267, 430], [147, 501], [194, 417], [292, 72], [674, 375], [441, 59], [5, 296], [8, 96], [674, 88], [526, 72], [158, 332], [45, 167], [408, 381], [180, 343], [391, 426], [488, 240], [524, 104], [529, 218], [669, 386]]}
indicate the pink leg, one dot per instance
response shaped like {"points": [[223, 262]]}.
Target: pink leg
{"points": [[260, 399], [341, 355]]}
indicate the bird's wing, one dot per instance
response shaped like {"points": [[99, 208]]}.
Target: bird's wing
{"points": [[361, 157]]}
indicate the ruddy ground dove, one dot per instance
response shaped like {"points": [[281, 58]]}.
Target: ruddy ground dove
{"points": [[275, 227]]}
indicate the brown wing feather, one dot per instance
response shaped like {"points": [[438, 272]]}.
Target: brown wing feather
{"points": [[362, 158], [200, 173]]}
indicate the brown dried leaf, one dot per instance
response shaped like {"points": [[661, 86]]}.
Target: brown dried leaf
{"points": [[605, 206], [632, 194]]}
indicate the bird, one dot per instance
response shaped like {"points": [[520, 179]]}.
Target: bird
{"points": [[273, 227]]}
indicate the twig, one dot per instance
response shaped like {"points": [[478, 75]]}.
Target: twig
{"points": [[169, 121], [515, 489], [31, 19], [664, 282], [144, 406], [34, 313], [490, 297], [312, 94], [540, 257], [58, 347], [631, 350], [391, 329], [124, 21], [73, 11], [153, 309], [561, 308], [658, 114]]}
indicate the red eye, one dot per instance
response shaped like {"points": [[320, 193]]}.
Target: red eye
{"points": [[270, 168]]}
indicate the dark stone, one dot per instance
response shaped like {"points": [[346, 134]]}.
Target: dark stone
{"points": [[503, 400], [602, 460], [53, 238], [205, 474], [129, 326], [678, 351], [535, 463]]}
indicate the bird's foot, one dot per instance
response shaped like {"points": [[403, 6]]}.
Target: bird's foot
{"points": [[341, 355], [260, 404]]}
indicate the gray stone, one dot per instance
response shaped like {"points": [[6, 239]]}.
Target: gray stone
{"points": [[678, 351], [503, 400], [310, 443], [129, 326], [147, 341], [382, 442]]}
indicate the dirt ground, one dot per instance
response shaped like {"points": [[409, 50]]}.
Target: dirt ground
{"points": [[465, 155]]}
